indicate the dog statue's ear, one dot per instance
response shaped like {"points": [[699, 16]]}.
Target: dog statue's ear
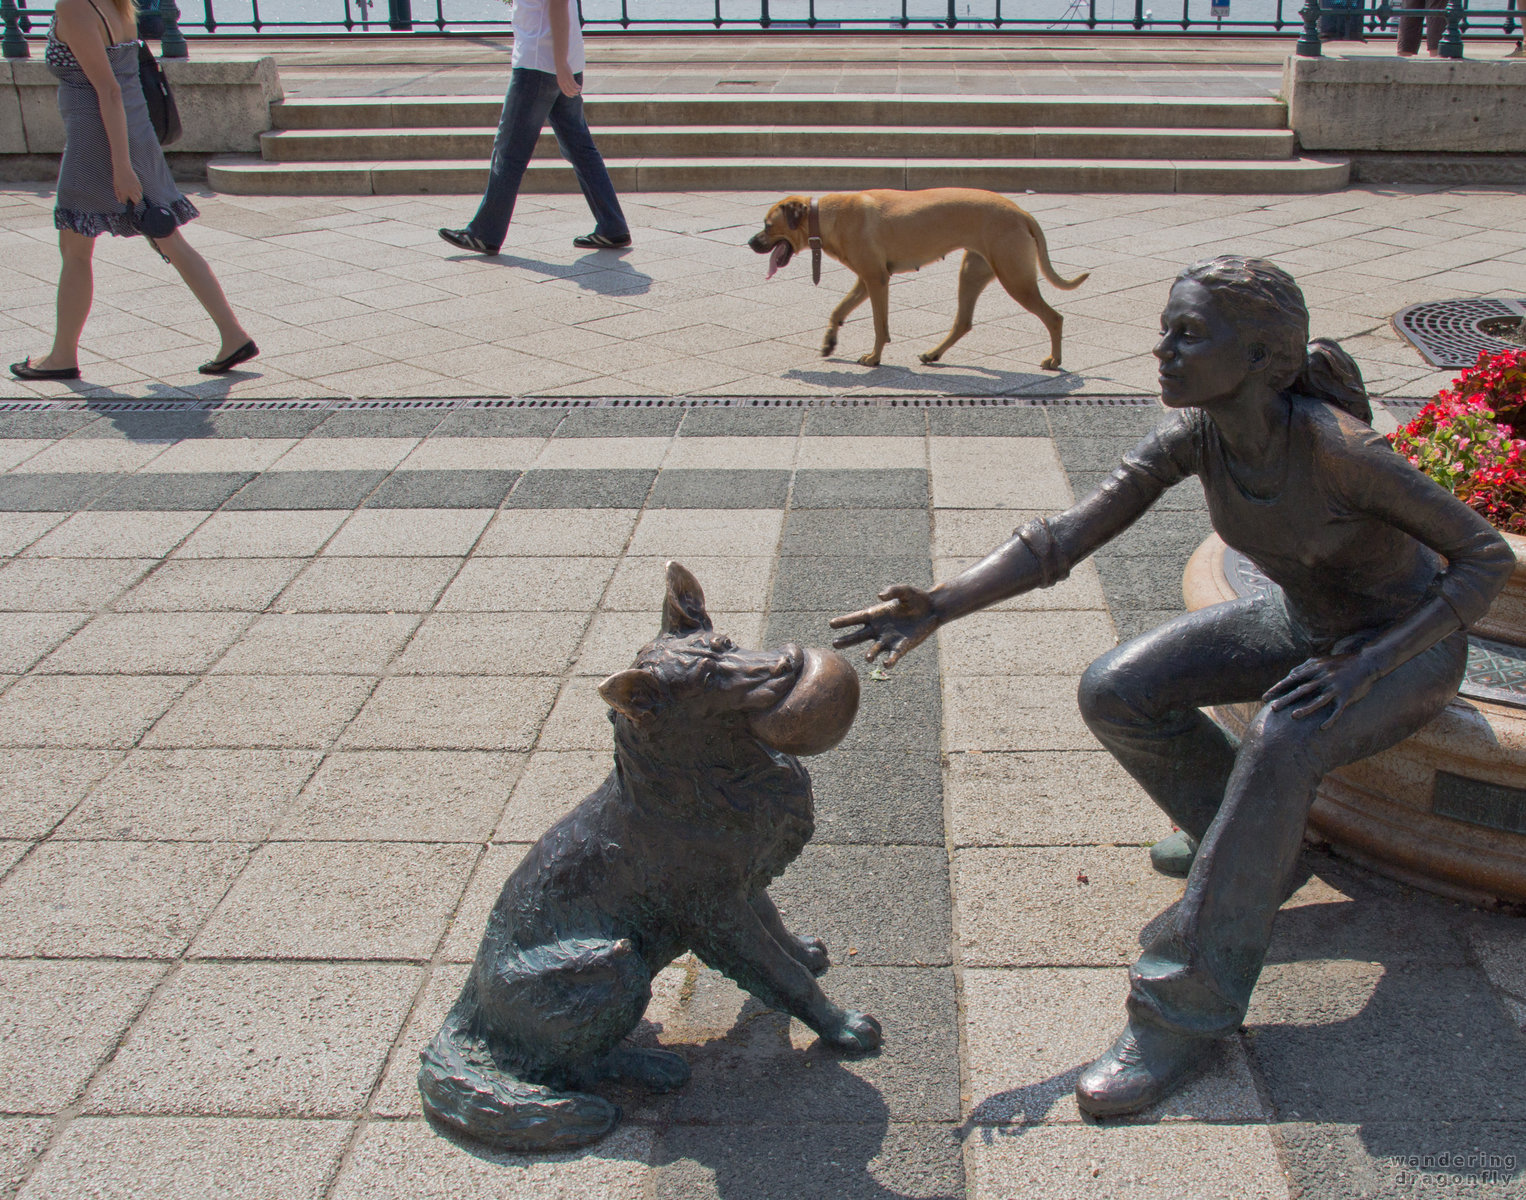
{"points": [[683, 612], [795, 212], [633, 694]]}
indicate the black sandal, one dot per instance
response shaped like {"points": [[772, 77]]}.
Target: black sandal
{"points": [[600, 241], [465, 239], [221, 366], [25, 370]]}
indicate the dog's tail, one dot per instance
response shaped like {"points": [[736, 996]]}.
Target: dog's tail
{"points": [[465, 1090], [1046, 266]]}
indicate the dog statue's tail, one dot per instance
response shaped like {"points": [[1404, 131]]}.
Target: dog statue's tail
{"points": [[464, 1090], [1046, 266]]}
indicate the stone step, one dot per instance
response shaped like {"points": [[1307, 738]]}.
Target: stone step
{"points": [[830, 110], [784, 141], [251, 176]]}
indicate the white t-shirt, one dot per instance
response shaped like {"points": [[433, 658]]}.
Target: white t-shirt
{"points": [[532, 36]]}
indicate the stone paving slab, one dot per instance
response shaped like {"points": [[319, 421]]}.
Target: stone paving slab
{"points": [[268, 767], [544, 319]]}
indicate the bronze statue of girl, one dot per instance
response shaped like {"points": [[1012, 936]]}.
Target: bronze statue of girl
{"points": [[1379, 572]]}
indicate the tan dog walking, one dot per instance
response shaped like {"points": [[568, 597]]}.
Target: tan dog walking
{"points": [[877, 234]]}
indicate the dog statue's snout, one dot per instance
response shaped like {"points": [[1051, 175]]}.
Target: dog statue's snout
{"points": [[819, 710]]}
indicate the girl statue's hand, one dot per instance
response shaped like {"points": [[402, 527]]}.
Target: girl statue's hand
{"points": [[893, 628], [1338, 679]]}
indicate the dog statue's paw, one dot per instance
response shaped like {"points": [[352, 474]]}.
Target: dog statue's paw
{"points": [[812, 953], [858, 1034], [1050, 364]]}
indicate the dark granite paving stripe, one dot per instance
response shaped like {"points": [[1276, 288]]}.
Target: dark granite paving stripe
{"points": [[875, 880], [196, 423], [52, 492], [700, 488], [621, 422], [865, 532], [501, 422], [306, 489], [200, 491], [582, 489], [1141, 569], [865, 422], [395, 422], [443, 489], [842, 582], [899, 488], [1008, 420], [730, 421], [42, 424]]}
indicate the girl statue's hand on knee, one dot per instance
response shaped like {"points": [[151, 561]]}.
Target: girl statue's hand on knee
{"points": [[1339, 679]]}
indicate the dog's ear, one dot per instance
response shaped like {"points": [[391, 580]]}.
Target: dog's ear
{"points": [[795, 211], [683, 612], [633, 694]]}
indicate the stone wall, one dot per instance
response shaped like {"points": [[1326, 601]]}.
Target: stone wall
{"points": [[1442, 106], [224, 106]]}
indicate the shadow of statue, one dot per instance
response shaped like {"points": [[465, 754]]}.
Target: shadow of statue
{"points": [[760, 1117]]}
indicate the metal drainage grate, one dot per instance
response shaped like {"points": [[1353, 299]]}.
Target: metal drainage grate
{"points": [[380, 404], [1453, 333]]}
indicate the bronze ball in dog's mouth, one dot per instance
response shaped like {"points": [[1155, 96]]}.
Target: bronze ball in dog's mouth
{"points": [[819, 710]]}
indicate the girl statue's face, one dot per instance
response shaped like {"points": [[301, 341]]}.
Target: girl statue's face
{"points": [[1204, 358]]}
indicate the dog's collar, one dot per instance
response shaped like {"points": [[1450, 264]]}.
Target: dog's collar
{"points": [[813, 230]]}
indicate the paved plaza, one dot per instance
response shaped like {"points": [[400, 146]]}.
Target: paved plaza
{"points": [[295, 663]]}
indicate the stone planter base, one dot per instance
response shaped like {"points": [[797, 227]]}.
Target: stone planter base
{"points": [[1444, 810]]}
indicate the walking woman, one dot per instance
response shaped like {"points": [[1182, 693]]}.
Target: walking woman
{"points": [[112, 161], [1379, 573]]}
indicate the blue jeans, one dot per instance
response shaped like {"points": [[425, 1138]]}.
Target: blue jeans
{"points": [[533, 97]]}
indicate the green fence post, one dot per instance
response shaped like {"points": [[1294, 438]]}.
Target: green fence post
{"points": [[172, 41], [1451, 40], [1308, 45], [12, 44]]}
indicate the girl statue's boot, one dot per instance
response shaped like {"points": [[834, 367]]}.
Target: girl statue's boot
{"points": [[1173, 855], [1145, 1064]]}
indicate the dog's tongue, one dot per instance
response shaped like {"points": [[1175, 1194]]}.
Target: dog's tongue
{"points": [[776, 258]]}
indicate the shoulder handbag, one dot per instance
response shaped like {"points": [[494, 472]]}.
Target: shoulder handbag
{"points": [[162, 110]]}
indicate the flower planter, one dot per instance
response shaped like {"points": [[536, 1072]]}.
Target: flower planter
{"points": [[1444, 810]]}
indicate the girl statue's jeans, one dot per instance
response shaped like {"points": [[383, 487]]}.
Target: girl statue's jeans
{"points": [[534, 97], [1246, 804]]}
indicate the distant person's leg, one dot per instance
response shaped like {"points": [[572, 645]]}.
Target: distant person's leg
{"points": [[530, 97], [572, 135]]}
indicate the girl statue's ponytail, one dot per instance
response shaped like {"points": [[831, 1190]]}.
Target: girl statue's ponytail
{"points": [[1331, 375]]}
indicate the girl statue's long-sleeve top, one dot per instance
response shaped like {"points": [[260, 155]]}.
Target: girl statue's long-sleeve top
{"points": [[1356, 537]]}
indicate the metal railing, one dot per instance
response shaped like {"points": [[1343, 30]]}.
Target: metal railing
{"points": [[285, 18]]}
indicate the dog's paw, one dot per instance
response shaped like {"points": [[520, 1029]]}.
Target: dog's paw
{"points": [[869, 360], [858, 1034], [812, 953], [1050, 364], [931, 356], [828, 344]]}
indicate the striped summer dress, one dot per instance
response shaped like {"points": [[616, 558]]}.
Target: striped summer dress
{"points": [[85, 202]]}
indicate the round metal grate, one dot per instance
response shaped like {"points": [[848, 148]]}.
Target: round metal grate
{"points": [[1453, 333]]}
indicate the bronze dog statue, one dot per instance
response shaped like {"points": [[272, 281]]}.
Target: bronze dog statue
{"points": [[706, 805]]}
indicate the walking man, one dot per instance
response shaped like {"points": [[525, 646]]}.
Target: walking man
{"points": [[547, 82]]}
